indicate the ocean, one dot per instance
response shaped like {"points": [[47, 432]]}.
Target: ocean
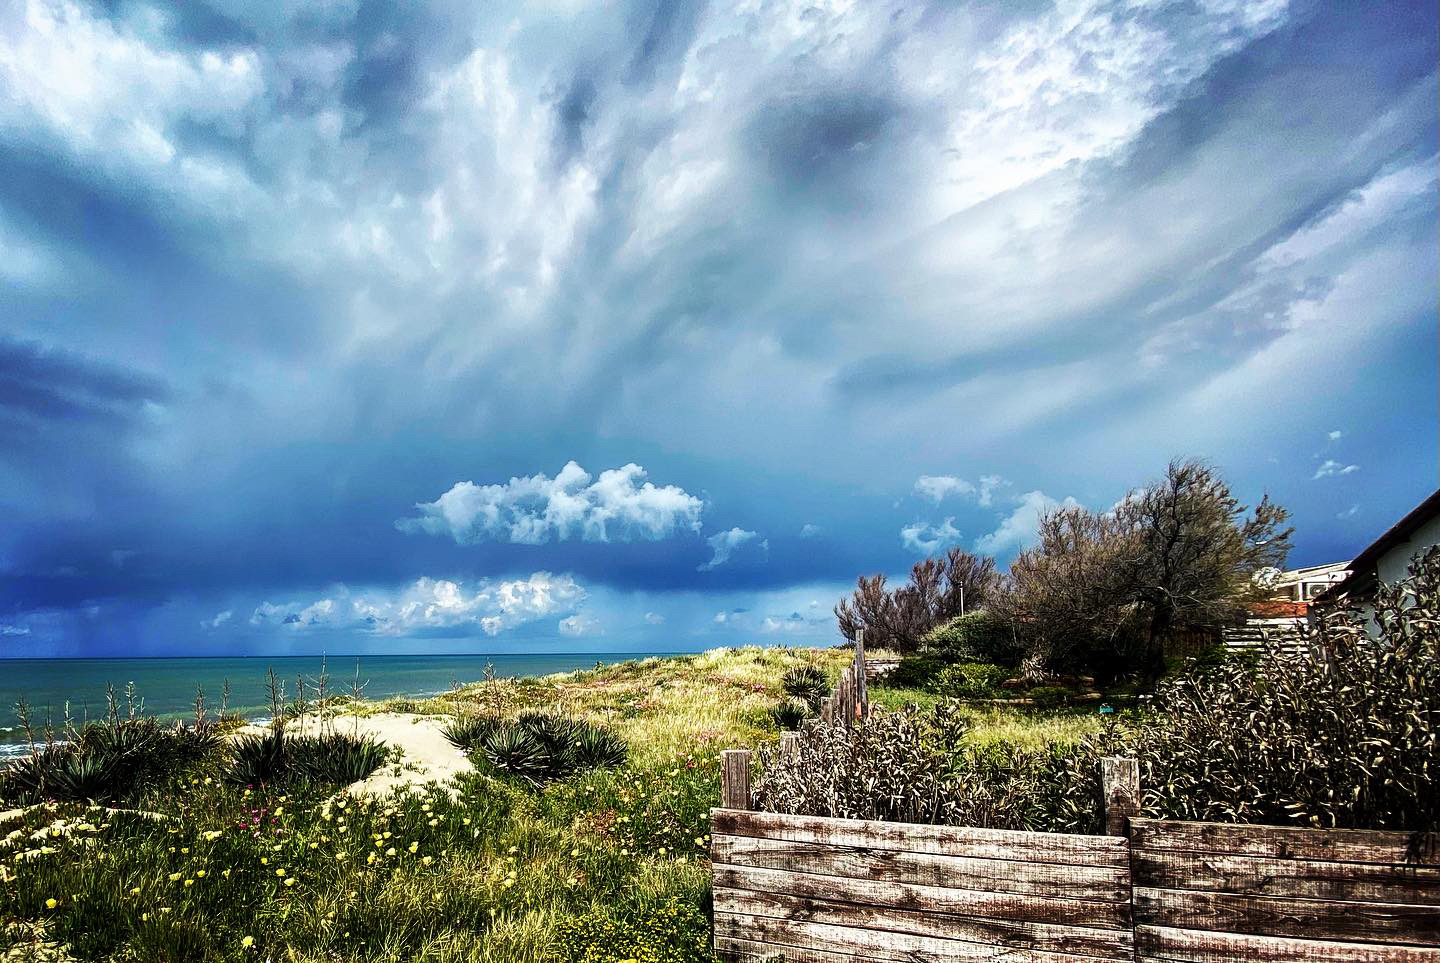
{"points": [[168, 686]]}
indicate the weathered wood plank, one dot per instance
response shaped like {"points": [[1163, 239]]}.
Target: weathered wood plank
{"points": [[1078, 881], [1119, 792], [1111, 944], [1201, 946], [1298, 878], [874, 944], [734, 950], [920, 838], [735, 778], [937, 899], [1283, 842], [1270, 916]]}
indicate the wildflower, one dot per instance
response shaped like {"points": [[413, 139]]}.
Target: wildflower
{"points": [[135, 891], [247, 941], [174, 877], [290, 881], [466, 820], [280, 873], [340, 855], [390, 851], [189, 883], [574, 852], [414, 846], [51, 903], [264, 860], [427, 860], [184, 849], [225, 873], [200, 874]]}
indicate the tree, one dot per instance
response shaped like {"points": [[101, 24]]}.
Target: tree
{"points": [[938, 590], [1179, 554]]}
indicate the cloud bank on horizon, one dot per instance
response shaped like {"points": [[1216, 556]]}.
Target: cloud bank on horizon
{"points": [[300, 305]]}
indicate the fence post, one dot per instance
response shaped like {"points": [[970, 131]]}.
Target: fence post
{"points": [[735, 779], [789, 746], [1120, 792], [862, 691]]}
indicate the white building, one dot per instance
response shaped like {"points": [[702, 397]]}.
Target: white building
{"points": [[1388, 557]]}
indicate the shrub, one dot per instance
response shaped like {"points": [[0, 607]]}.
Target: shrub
{"points": [[1049, 696], [789, 714], [912, 672], [976, 637], [108, 761], [537, 746], [467, 732], [274, 759], [807, 683], [908, 766], [1344, 734], [674, 932], [971, 680]]}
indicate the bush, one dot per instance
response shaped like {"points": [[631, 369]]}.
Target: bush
{"points": [[971, 680], [1344, 734], [108, 761], [273, 759], [537, 746], [909, 766], [807, 683], [1049, 696], [674, 932], [976, 637], [789, 714], [913, 672]]}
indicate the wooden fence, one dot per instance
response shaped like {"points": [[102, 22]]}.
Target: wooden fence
{"points": [[807, 889]]}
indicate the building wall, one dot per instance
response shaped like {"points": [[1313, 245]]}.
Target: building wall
{"points": [[1394, 563]]}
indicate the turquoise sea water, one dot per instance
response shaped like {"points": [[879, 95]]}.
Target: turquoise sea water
{"points": [[168, 686]]}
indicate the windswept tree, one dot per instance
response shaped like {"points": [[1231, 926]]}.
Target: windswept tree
{"points": [[1179, 554], [939, 589]]}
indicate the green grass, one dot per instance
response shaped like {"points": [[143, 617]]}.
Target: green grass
{"points": [[1020, 725], [606, 865]]}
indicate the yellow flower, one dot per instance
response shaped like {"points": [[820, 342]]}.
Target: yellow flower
{"points": [[225, 873], [174, 877], [200, 874], [264, 860], [574, 852], [427, 860], [184, 849], [51, 903], [290, 881], [414, 846], [135, 891], [189, 883], [390, 851], [247, 941], [340, 855], [280, 872], [466, 820]]}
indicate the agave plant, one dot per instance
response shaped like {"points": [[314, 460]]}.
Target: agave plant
{"points": [[516, 750], [806, 683], [789, 714], [592, 747], [468, 732]]}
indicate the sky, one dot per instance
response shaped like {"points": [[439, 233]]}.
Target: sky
{"points": [[348, 326]]}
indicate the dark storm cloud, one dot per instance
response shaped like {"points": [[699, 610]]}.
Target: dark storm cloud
{"points": [[274, 275]]}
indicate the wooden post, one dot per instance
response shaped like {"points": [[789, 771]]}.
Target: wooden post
{"points": [[1120, 793], [789, 746], [827, 710], [735, 779], [862, 691]]}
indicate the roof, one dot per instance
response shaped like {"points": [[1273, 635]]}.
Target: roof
{"points": [[1362, 568]]}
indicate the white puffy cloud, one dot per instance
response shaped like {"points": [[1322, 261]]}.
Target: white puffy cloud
{"points": [[1335, 435], [654, 618], [925, 539], [13, 630], [811, 530], [620, 505], [579, 624], [723, 545], [429, 603], [220, 619], [1018, 529], [937, 488], [1330, 467]]}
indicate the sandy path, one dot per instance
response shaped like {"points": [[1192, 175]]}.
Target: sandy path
{"points": [[427, 754]]}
